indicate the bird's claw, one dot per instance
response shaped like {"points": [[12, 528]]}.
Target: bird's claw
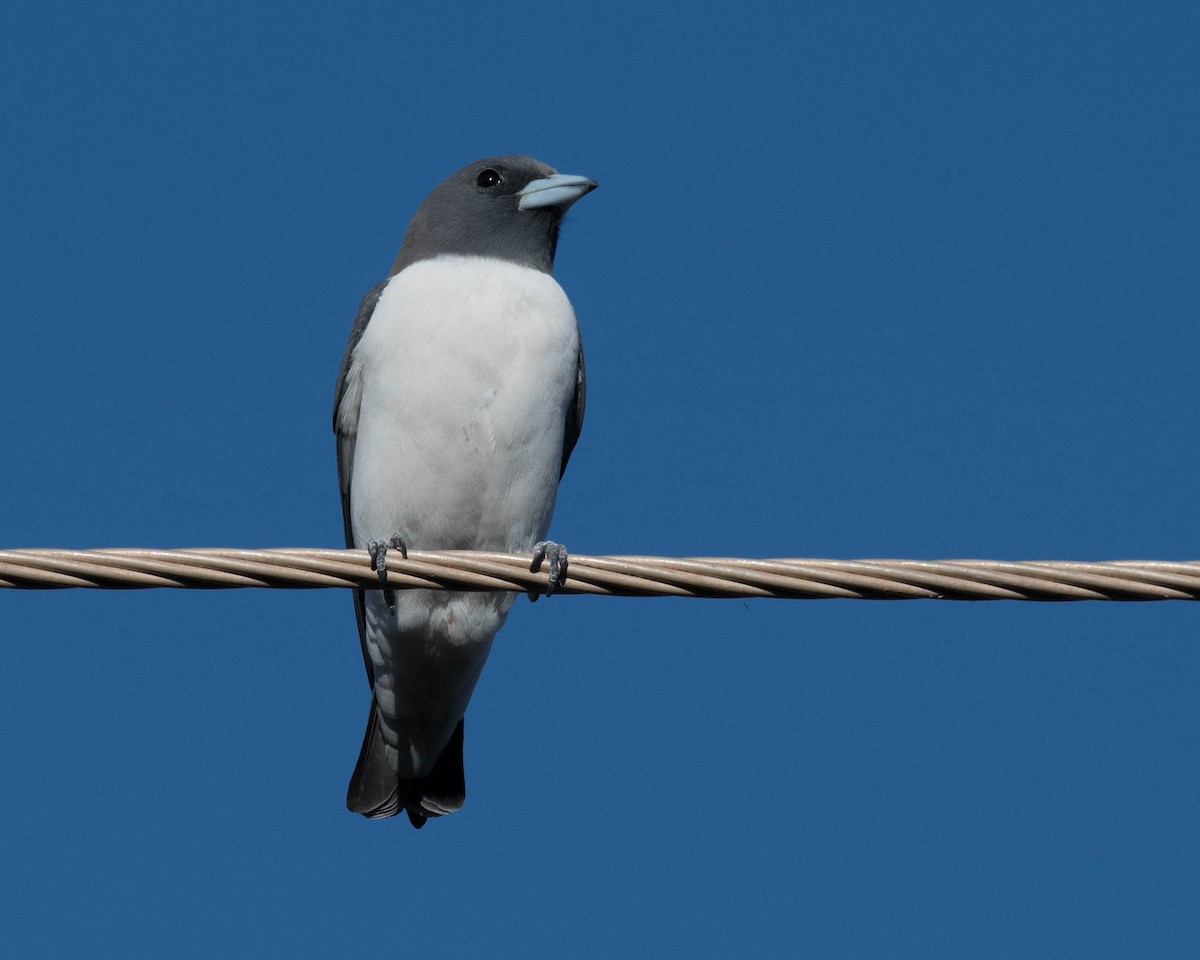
{"points": [[378, 550], [555, 554]]}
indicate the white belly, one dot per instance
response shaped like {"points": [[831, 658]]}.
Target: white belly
{"points": [[467, 367]]}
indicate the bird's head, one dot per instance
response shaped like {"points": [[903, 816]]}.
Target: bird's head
{"points": [[508, 207]]}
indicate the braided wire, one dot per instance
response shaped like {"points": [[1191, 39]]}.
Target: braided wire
{"points": [[796, 579]]}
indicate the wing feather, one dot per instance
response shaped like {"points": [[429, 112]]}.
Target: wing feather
{"points": [[346, 400], [574, 413]]}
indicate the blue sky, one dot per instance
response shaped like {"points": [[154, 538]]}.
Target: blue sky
{"points": [[861, 280]]}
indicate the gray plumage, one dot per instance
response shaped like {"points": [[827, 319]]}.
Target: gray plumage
{"points": [[462, 409]]}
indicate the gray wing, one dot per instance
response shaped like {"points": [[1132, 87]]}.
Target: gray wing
{"points": [[574, 413], [345, 428]]}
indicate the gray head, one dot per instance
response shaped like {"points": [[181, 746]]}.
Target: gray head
{"points": [[506, 207]]}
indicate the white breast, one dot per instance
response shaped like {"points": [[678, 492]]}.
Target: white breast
{"points": [[466, 371]]}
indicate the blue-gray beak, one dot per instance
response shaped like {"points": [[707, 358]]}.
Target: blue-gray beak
{"points": [[560, 190]]}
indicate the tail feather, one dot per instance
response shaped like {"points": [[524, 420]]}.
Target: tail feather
{"points": [[376, 792]]}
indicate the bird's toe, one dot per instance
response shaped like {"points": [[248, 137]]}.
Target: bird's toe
{"points": [[555, 555]]}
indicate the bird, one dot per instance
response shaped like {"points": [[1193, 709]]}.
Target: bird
{"points": [[459, 399]]}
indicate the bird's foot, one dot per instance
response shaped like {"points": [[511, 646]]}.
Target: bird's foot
{"points": [[555, 554], [378, 550]]}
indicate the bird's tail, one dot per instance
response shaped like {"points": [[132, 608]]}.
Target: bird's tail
{"points": [[376, 792]]}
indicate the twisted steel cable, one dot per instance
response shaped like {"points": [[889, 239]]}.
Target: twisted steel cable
{"points": [[628, 576]]}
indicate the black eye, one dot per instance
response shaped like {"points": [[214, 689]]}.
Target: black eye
{"points": [[488, 178]]}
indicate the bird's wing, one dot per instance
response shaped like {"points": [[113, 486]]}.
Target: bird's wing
{"points": [[574, 413], [345, 427]]}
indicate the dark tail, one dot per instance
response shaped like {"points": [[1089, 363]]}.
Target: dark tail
{"points": [[376, 792]]}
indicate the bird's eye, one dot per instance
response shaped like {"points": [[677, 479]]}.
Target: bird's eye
{"points": [[488, 178]]}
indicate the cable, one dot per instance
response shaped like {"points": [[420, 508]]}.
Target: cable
{"points": [[797, 579]]}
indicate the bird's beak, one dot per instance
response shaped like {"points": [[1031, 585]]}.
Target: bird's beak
{"points": [[560, 190]]}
